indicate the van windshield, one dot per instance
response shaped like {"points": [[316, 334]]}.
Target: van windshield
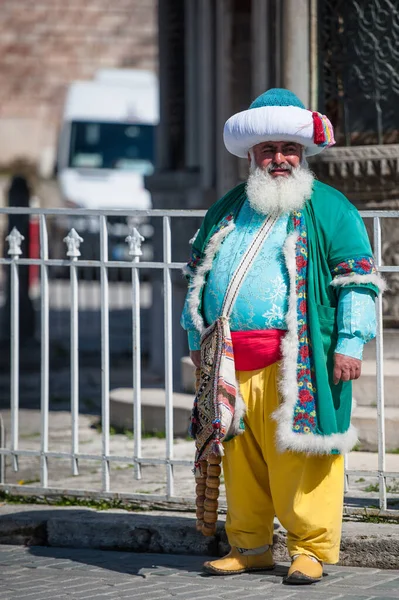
{"points": [[122, 146]]}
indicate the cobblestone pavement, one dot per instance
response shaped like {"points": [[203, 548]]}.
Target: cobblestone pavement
{"points": [[40, 573]]}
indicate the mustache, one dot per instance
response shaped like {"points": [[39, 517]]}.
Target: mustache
{"points": [[282, 167]]}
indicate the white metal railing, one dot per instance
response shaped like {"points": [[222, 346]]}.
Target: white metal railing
{"points": [[134, 240]]}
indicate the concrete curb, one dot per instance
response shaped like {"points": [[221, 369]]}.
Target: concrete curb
{"points": [[363, 544]]}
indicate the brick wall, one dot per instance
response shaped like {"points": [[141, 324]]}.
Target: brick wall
{"points": [[45, 44]]}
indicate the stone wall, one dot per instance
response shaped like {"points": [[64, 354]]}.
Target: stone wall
{"points": [[45, 44]]}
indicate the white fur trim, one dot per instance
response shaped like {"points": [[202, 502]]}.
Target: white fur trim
{"points": [[310, 443], [374, 278], [270, 123], [289, 346], [287, 439], [202, 270]]}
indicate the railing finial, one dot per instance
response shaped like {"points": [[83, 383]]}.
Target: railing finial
{"points": [[15, 239], [135, 239], [73, 241]]}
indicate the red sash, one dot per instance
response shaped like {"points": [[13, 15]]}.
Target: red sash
{"points": [[256, 349]]}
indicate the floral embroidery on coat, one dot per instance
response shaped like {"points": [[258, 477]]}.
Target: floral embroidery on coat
{"points": [[305, 407], [362, 265]]}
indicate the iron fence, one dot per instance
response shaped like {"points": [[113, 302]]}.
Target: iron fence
{"points": [[73, 262]]}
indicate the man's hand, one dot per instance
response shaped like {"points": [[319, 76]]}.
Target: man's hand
{"points": [[195, 356], [346, 368]]}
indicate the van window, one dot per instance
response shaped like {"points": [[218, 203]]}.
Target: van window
{"points": [[123, 146]]}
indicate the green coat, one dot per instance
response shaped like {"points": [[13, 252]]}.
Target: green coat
{"points": [[326, 247]]}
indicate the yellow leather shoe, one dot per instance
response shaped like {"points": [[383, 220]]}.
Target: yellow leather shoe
{"points": [[235, 562], [304, 570]]}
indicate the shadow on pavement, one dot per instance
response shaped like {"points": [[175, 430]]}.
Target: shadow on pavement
{"points": [[142, 564], [134, 542]]}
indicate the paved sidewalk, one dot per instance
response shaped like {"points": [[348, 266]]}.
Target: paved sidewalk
{"points": [[39, 573]]}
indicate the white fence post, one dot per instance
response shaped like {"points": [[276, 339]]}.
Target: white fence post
{"points": [[45, 351], [73, 241], [135, 239], [14, 240], [105, 419], [167, 282], [380, 374]]}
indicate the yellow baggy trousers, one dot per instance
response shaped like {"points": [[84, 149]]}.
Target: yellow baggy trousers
{"points": [[304, 491]]}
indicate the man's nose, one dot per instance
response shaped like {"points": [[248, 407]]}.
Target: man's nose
{"points": [[278, 158]]}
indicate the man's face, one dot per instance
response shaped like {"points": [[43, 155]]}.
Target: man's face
{"points": [[279, 158]]}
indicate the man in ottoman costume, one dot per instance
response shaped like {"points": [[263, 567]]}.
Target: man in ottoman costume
{"points": [[299, 324]]}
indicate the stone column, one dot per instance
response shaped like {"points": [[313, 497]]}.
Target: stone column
{"points": [[191, 83], [225, 178], [206, 93], [261, 47], [295, 46]]}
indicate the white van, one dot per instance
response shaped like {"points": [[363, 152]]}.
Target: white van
{"points": [[107, 140]]}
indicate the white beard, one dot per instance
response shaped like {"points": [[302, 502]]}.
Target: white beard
{"points": [[274, 196]]}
